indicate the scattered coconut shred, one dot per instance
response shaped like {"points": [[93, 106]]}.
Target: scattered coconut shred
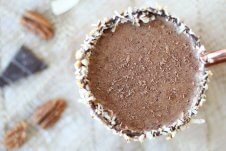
{"points": [[136, 16]]}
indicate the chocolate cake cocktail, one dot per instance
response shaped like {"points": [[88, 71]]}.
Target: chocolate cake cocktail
{"points": [[142, 73]]}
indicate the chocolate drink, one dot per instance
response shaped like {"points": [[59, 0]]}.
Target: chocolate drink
{"points": [[144, 74]]}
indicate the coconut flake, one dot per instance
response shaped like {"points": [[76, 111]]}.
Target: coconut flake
{"points": [[144, 18], [198, 121], [61, 6]]}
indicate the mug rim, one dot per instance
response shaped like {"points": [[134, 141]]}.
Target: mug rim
{"points": [[135, 16]]}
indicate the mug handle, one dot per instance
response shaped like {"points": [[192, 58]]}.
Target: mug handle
{"points": [[214, 57]]}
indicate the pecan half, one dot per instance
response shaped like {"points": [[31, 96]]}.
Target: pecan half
{"points": [[49, 113], [37, 24], [16, 136]]}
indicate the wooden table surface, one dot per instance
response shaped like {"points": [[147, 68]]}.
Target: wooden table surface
{"points": [[76, 130]]}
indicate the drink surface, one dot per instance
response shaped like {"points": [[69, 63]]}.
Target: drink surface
{"points": [[145, 75]]}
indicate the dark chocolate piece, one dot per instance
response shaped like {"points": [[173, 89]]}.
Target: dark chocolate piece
{"points": [[24, 63], [2, 82], [29, 61]]}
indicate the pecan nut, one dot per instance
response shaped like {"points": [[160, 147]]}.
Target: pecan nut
{"points": [[37, 24], [16, 136], [49, 113]]}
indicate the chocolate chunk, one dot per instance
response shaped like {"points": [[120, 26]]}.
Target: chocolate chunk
{"points": [[2, 82], [17, 72], [24, 63], [29, 61]]}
